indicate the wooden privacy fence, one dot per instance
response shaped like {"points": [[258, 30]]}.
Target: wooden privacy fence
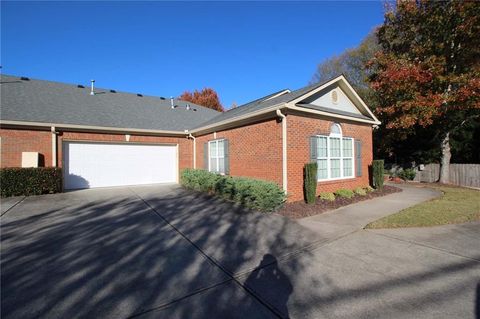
{"points": [[460, 174]]}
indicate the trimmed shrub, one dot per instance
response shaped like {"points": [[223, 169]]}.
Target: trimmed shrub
{"points": [[327, 196], [199, 180], [310, 182], [377, 174], [369, 189], [345, 193], [407, 174], [360, 191], [30, 181], [254, 194]]}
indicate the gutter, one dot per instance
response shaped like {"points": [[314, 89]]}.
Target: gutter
{"points": [[194, 149], [54, 146], [328, 114], [239, 118], [284, 149], [90, 128]]}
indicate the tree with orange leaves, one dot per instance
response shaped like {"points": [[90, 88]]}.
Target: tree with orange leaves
{"points": [[427, 72], [206, 97]]}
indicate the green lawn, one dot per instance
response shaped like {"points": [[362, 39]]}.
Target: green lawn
{"points": [[456, 205]]}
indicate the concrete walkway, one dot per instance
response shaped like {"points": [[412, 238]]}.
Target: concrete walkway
{"points": [[356, 216]]}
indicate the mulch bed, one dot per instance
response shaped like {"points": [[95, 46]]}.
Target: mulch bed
{"points": [[301, 209]]}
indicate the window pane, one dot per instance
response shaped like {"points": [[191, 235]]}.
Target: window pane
{"points": [[334, 168], [347, 147], [213, 164], [220, 149], [221, 166], [322, 172], [322, 146], [213, 149], [347, 167], [334, 147], [335, 129]]}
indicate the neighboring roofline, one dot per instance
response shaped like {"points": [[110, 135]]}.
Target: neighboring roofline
{"points": [[90, 128]]}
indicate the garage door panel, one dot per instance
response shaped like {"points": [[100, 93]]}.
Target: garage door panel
{"points": [[89, 165]]}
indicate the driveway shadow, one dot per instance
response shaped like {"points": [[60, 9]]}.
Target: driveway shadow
{"points": [[106, 254], [262, 281]]}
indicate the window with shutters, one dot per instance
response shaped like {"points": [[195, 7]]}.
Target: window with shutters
{"points": [[216, 156], [334, 155]]}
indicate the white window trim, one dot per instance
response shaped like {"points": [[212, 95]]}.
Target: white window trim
{"points": [[217, 156], [341, 158]]}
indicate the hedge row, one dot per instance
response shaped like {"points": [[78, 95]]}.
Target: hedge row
{"points": [[30, 181], [255, 194]]}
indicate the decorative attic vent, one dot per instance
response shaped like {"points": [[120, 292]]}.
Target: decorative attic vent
{"points": [[113, 91], [24, 78], [80, 86], [334, 96], [140, 95]]}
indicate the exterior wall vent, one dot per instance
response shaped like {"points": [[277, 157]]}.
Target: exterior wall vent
{"points": [[334, 96]]}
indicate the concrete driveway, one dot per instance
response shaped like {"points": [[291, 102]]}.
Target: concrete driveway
{"points": [[162, 252]]}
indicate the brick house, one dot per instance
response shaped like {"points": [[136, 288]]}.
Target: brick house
{"points": [[106, 138]]}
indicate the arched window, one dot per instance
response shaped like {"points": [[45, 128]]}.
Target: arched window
{"points": [[335, 129], [334, 154]]}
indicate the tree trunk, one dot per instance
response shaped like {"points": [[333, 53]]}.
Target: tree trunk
{"points": [[445, 162]]}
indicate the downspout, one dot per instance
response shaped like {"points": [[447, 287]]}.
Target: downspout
{"points": [[194, 149], [54, 146], [284, 149]]}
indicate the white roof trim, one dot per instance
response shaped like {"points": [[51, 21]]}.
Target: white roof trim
{"points": [[278, 94], [239, 118], [89, 127], [342, 79], [328, 114]]}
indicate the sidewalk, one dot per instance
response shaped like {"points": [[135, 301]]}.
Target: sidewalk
{"points": [[356, 216]]}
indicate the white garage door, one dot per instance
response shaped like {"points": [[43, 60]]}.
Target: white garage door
{"points": [[88, 165]]}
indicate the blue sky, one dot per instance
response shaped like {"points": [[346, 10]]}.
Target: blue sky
{"points": [[241, 49]]}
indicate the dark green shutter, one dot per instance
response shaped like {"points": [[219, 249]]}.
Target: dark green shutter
{"points": [[313, 149], [358, 158], [205, 155], [226, 157]]}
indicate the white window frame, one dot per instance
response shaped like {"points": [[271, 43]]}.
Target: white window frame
{"points": [[218, 157], [341, 158]]}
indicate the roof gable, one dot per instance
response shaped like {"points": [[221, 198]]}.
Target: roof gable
{"points": [[332, 98], [351, 99]]}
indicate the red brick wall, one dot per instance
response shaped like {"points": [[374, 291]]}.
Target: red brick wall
{"points": [[14, 142], [255, 150], [299, 131]]}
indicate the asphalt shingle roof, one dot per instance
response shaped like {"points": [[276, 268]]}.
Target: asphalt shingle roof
{"points": [[260, 104], [60, 103]]}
